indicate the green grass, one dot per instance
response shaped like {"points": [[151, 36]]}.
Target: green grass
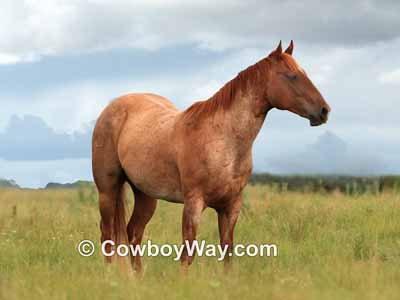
{"points": [[331, 246]]}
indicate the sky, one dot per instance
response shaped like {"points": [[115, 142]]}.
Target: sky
{"points": [[62, 62]]}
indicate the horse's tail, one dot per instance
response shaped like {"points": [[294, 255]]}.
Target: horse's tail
{"points": [[119, 234]]}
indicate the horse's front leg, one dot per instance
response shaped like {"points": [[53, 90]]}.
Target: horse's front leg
{"points": [[227, 218], [193, 207]]}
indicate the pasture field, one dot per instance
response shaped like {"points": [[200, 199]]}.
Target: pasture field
{"points": [[331, 246]]}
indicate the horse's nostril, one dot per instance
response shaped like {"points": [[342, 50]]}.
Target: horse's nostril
{"points": [[324, 112]]}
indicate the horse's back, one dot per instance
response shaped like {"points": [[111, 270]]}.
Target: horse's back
{"points": [[145, 107], [145, 101]]}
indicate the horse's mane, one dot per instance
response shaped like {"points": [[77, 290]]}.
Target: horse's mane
{"points": [[223, 99]]}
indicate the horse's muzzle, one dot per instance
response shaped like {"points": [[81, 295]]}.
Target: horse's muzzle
{"points": [[321, 117]]}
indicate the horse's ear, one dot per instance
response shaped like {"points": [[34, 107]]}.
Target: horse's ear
{"points": [[289, 49], [277, 53]]}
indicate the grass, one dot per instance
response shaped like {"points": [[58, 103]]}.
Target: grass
{"points": [[331, 246]]}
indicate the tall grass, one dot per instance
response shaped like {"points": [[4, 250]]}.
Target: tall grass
{"points": [[331, 246]]}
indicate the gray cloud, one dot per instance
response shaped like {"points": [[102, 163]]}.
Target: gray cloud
{"points": [[332, 155], [30, 138], [31, 29]]}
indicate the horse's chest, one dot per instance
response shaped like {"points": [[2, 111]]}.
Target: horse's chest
{"points": [[228, 181]]}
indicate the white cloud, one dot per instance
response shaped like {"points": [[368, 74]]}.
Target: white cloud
{"points": [[391, 77], [12, 59], [9, 59]]}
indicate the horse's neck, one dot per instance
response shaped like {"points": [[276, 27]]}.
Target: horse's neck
{"points": [[238, 109], [242, 123], [246, 115]]}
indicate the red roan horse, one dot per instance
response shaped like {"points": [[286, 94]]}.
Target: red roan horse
{"points": [[201, 157]]}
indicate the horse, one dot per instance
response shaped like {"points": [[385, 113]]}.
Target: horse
{"points": [[200, 157]]}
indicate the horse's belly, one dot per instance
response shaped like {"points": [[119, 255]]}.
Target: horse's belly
{"points": [[151, 168], [161, 191]]}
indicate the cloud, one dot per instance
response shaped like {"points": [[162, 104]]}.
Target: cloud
{"points": [[11, 59], [38, 28], [390, 77], [332, 155], [30, 138]]}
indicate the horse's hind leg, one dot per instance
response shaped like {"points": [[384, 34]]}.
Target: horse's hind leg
{"points": [[109, 178], [109, 207], [142, 212], [109, 175]]}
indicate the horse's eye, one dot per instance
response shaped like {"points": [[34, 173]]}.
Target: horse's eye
{"points": [[291, 76]]}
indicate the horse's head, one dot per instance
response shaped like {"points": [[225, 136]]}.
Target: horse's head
{"points": [[289, 88]]}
